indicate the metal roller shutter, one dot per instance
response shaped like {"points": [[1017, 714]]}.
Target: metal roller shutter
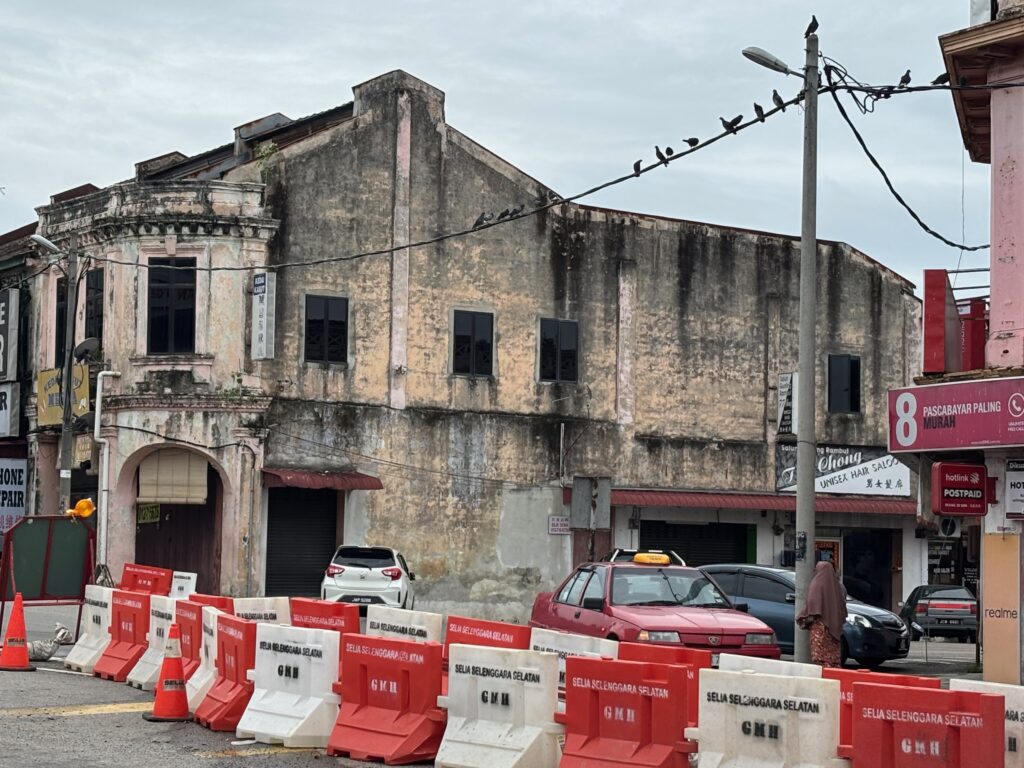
{"points": [[301, 531], [697, 544]]}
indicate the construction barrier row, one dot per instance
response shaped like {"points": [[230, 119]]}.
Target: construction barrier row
{"points": [[463, 692]]}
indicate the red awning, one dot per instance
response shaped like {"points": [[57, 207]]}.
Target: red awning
{"points": [[307, 478], [627, 497]]}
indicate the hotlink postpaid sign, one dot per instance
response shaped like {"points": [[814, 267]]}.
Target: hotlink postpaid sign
{"points": [[845, 469]]}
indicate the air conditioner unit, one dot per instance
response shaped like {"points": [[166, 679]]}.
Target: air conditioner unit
{"points": [[949, 528]]}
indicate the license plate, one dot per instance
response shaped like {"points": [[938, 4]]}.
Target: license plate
{"points": [[360, 600], [949, 621]]}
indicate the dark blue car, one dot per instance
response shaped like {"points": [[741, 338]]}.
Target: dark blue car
{"points": [[871, 636]]}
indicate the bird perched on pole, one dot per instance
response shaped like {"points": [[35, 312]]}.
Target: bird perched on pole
{"points": [[905, 80], [812, 27], [778, 101], [730, 125], [636, 167], [693, 141], [759, 111], [660, 155], [482, 219], [941, 79]]}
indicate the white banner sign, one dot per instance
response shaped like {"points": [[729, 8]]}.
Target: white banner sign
{"points": [[12, 492], [264, 292], [10, 409], [1014, 491], [845, 469]]}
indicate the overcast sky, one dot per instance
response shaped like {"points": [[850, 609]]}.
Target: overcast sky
{"points": [[572, 93]]}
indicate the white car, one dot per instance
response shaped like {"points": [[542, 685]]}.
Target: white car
{"points": [[369, 576]]}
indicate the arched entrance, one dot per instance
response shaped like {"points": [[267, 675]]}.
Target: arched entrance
{"points": [[178, 509]]}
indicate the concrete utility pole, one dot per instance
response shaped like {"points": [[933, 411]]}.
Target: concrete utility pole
{"points": [[68, 388]]}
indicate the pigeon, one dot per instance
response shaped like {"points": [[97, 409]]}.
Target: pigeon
{"points": [[516, 211], [504, 214], [553, 196], [636, 167], [693, 141], [669, 151], [778, 101], [812, 27], [661, 155], [905, 80], [730, 125], [759, 111], [482, 219], [941, 79]]}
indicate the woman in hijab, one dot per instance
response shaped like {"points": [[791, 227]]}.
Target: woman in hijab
{"points": [[824, 614]]}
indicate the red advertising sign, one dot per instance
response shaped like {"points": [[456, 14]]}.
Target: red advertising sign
{"points": [[983, 413], [959, 489]]}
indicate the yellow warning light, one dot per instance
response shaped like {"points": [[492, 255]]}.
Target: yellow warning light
{"points": [[83, 508]]}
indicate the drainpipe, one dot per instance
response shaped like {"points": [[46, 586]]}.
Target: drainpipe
{"points": [[101, 520], [252, 511]]}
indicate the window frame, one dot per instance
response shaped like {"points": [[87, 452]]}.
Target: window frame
{"points": [[174, 271], [848, 399], [562, 596], [95, 286], [60, 319], [752, 578], [327, 298], [474, 315], [560, 324]]}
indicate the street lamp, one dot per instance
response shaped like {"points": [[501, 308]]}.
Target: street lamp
{"points": [[806, 443], [68, 386]]}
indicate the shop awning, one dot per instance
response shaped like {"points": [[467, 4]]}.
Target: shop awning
{"points": [[308, 478], [627, 497]]}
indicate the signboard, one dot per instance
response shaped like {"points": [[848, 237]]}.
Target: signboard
{"points": [[50, 404], [147, 512], [1013, 491], [787, 403], [9, 334], [12, 492], [1000, 608], [10, 409], [959, 489], [264, 292], [845, 469], [983, 413], [558, 525]]}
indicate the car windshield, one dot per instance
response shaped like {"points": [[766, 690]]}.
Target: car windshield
{"points": [[665, 586], [363, 557], [951, 594]]}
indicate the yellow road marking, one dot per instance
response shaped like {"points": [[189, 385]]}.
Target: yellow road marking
{"points": [[80, 710], [256, 751]]}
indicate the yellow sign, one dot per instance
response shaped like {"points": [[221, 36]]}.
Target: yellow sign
{"points": [[1000, 605], [50, 405], [147, 513]]}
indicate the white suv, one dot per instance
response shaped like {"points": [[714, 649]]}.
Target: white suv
{"points": [[369, 576]]}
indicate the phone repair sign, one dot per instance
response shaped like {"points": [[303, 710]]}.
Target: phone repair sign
{"points": [[12, 492]]}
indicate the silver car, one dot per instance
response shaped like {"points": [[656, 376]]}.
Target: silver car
{"points": [[369, 576]]}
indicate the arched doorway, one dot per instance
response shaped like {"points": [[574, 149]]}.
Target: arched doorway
{"points": [[178, 508]]}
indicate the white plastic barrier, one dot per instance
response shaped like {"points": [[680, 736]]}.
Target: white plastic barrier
{"points": [[292, 703], [146, 672], [183, 584], [733, 662], [94, 631], [401, 624], [770, 721], [501, 708], [1013, 697], [273, 610], [203, 678], [566, 644]]}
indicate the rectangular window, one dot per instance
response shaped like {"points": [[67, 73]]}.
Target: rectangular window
{"points": [[172, 306], [843, 384], [60, 321], [94, 305], [326, 329], [472, 350], [559, 350]]}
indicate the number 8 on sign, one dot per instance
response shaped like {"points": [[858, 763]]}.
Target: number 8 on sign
{"points": [[906, 424]]}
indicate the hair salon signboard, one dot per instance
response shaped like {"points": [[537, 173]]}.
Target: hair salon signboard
{"points": [[845, 469]]}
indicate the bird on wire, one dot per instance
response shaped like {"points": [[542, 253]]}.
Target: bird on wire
{"points": [[778, 101], [905, 80], [941, 79], [516, 211], [693, 141], [669, 151], [482, 219], [637, 166], [660, 155], [759, 111], [730, 125], [504, 214], [812, 27]]}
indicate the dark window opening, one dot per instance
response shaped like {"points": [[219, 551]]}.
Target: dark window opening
{"points": [[61, 320], [326, 329], [172, 306], [94, 305], [472, 351], [559, 350], [843, 384]]}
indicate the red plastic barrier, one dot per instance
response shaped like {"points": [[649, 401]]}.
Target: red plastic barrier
{"points": [[325, 614], [389, 691], [146, 578], [897, 727], [625, 713], [236, 655], [226, 604], [491, 634], [129, 624], [694, 659], [189, 618], [847, 677]]}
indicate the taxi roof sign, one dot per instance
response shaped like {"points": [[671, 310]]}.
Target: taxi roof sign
{"points": [[651, 558]]}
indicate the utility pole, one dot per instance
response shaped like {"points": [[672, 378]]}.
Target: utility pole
{"points": [[68, 388]]}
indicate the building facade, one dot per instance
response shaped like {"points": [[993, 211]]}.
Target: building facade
{"points": [[304, 360]]}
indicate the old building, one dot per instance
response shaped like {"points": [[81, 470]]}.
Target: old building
{"points": [[304, 360]]}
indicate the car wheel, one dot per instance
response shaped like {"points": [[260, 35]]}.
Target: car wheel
{"points": [[844, 652], [973, 638], [871, 664], [964, 639], [915, 635]]}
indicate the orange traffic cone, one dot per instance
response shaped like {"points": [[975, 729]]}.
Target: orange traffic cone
{"points": [[14, 655], [171, 705]]}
